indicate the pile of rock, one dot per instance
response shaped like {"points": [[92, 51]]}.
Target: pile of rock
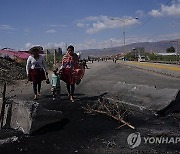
{"points": [[11, 71]]}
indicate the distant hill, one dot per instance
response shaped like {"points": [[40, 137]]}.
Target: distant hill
{"points": [[158, 47]]}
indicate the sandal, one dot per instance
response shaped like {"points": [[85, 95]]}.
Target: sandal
{"points": [[35, 97], [72, 99]]}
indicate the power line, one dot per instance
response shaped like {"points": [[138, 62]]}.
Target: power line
{"points": [[149, 19]]}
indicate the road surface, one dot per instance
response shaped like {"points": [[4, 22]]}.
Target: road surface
{"points": [[79, 132]]}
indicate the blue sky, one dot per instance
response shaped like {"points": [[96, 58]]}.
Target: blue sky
{"points": [[87, 24]]}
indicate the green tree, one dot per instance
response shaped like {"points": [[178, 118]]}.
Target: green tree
{"points": [[170, 50]]}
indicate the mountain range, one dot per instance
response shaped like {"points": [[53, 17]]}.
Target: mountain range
{"points": [[158, 47]]}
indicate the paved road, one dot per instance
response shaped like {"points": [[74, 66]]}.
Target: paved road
{"points": [[103, 75], [82, 133]]}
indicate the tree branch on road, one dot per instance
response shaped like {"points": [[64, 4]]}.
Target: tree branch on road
{"points": [[112, 110]]}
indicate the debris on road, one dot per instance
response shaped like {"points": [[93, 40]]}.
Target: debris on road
{"points": [[112, 110], [9, 140], [27, 116], [144, 98]]}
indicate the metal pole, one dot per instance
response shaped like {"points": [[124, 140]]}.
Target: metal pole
{"points": [[124, 35], [124, 27]]}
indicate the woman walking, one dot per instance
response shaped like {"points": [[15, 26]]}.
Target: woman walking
{"points": [[71, 71], [36, 69]]}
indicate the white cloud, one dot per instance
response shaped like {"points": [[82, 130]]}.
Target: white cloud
{"points": [[114, 42], [28, 45], [91, 18], [96, 27], [170, 36], [27, 30], [46, 46], [56, 25], [90, 44], [93, 44], [99, 23], [81, 25], [111, 42], [6, 27], [140, 13], [155, 13], [173, 10], [54, 45], [51, 31]]}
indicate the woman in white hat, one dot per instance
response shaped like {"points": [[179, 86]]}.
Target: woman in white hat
{"points": [[36, 69]]}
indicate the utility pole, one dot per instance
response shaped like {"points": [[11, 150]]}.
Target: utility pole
{"points": [[124, 28]]}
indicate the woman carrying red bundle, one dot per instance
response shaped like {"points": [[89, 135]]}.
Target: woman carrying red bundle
{"points": [[72, 71]]}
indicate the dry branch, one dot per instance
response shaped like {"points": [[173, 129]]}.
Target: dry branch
{"points": [[112, 110]]}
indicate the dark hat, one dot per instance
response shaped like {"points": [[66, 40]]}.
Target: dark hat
{"points": [[70, 47], [36, 48]]}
